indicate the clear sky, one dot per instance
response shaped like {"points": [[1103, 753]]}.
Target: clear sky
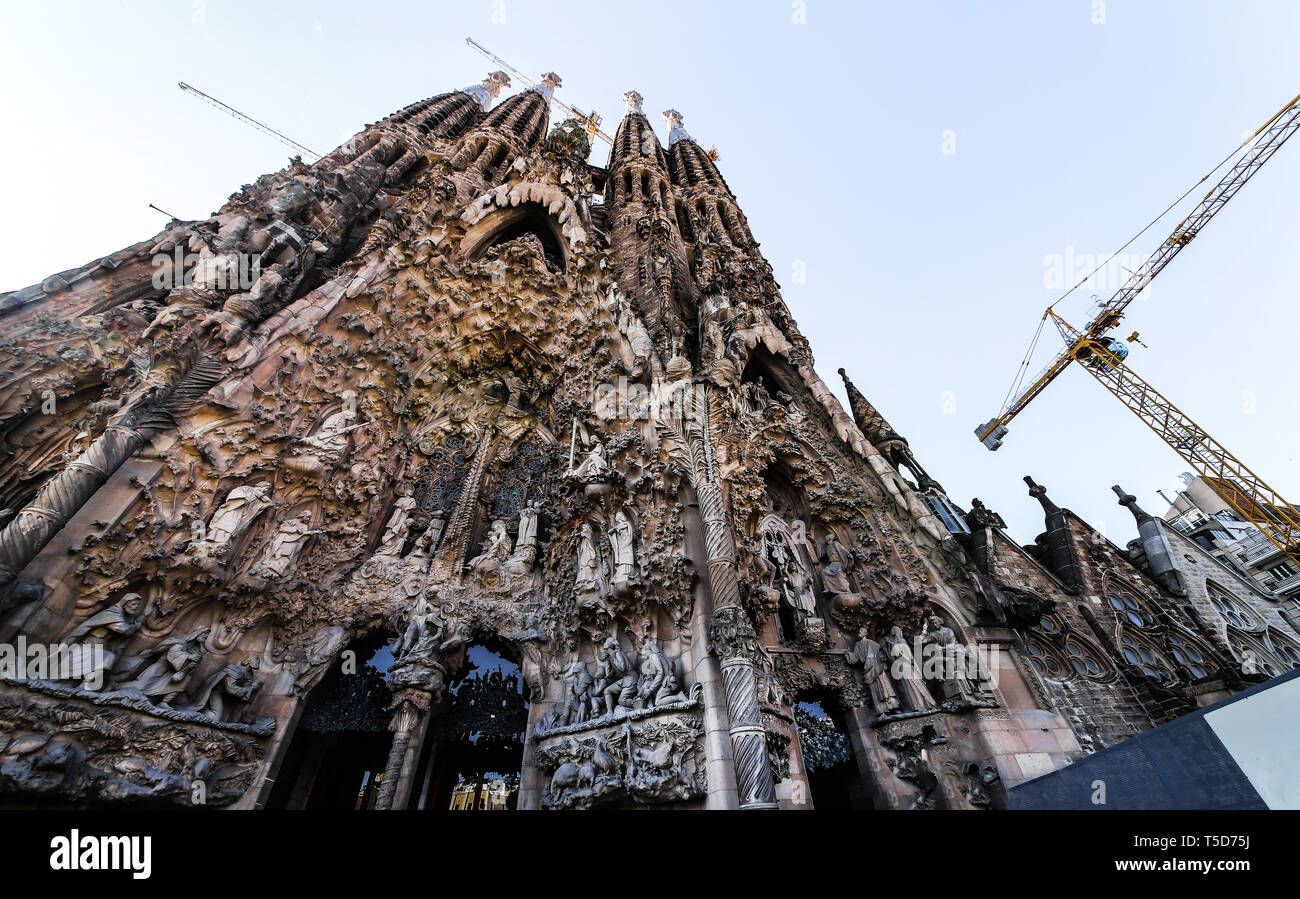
{"points": [[926, 271]]}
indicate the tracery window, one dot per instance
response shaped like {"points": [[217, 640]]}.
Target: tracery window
{"points": [[1189, 655], [1287, 652], [1043, 660], [1083, 659], [438, 482], [1151, 662], [518, 482], [1131, 609], [1252, 657], [1233, 611]]}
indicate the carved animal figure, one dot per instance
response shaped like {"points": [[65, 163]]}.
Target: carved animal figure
{"points": [[572, 776]]}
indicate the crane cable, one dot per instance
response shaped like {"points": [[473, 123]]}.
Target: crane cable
{"points": [[1019, 378]]}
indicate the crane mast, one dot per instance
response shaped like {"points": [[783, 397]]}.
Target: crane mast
{"points": [[1245, 492], [1267, 141], [1103, 357]]}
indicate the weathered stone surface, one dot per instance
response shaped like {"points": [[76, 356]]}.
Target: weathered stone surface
{"points": [[452, 385]]}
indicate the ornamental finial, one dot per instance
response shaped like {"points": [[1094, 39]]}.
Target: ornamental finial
{"points": [[550, 81], [675, 130], [487, 91]]}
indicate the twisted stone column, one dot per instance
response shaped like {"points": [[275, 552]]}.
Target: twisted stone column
{"points": [[62, 496], [731, 633], [410, 706]]}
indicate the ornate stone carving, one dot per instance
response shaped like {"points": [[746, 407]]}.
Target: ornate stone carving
{"points": [[648, 761]]}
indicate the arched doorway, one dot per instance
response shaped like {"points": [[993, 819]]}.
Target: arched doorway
{"points": [[475, 746], [834, 780], [336, 757]]}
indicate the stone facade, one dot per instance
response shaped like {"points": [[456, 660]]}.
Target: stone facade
{"points": [[452, 386]]}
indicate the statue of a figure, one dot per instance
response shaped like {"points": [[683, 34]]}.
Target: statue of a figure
{"points": [[836, 552], [620, 544], [170, 662], [109, 629], [308, 665], [398, 524], [527, 536], [285, 543], [577, 687], [658, 682], [867, 653], [595, 466], [799, 592], [324, 449], [422, 618], [496, 549], [839, 561], [525, 553], [902, 668], [715, 346], [621, 677], [587, 584], [427, 542], [652, 674], [835, 580], [956, 684], [638, 338], [242, 505], [224, 690]]}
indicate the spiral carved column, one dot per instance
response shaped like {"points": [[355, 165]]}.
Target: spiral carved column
{"points": [[731, 633], [62, 496]]}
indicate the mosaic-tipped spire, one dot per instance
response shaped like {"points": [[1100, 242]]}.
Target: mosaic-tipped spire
{"points": [[546, 87], [487, 90], [675, 130], [632, 103]]}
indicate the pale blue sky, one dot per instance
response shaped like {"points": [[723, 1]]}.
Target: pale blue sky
{"points": [[925, 270]]}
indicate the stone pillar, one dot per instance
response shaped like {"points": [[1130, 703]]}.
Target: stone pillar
{"points": [[531, 779], [888, 792], [61, 497], [410, 715], [731, 633]]}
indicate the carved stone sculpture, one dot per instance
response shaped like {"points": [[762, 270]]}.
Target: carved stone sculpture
{"points": [[322, 451], [486, 566], [621, 678], [956, 659], [588, 584], [595, 466], [906, 675], [578, 688], [875, 672], [232, 518], [94, 644], [394, 539], [282, 552], [621, 551], [225, 690], [168, 665]]}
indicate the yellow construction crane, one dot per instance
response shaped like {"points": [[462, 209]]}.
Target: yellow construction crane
{"points": [[1103, 357]]}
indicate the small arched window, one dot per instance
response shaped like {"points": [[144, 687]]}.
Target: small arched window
{"points": [[1189, 655], [1233, 611], [1044, 661], [1083, 659], [1129, 608], [1152, 663]]}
